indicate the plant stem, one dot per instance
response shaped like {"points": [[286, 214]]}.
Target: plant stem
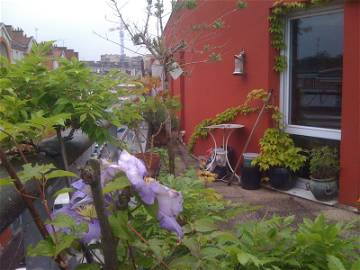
{"points": [[131, 255], [63, 152], [145, 241], [91, 175], [16, 145]]}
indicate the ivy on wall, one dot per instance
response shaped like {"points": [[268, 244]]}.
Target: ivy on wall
{"points": [[228, 115], [277, 25]]}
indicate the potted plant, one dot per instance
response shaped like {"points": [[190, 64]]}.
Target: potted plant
{"points": [[324, 168], [280, 157]]}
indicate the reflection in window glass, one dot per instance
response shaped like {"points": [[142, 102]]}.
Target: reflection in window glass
{"points": [[316, 70]]}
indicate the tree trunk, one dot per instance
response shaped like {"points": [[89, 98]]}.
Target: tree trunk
{"points": [[170, 144]]}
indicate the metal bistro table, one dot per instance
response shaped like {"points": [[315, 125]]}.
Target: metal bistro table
{"points": [[220, 154]]}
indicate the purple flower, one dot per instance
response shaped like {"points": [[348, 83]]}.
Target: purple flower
{"points": [[170, 201], [93, 232], [81, 210]]}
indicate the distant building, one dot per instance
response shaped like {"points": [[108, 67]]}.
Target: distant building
{"points": [[14, 43], [21, 44], [110, 58], [132, 65], [5, 42], [60, 52]]}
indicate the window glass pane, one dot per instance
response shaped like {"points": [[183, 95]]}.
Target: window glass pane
{"points": [[316, 70]]}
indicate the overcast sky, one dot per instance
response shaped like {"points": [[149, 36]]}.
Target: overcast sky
{"points": [[72, 22]]}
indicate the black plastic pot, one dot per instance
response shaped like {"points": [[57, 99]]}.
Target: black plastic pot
{"points": [[250, 178], [281, 178]]}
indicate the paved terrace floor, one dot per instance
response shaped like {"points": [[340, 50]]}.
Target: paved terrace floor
{"points": [[269, 201]]}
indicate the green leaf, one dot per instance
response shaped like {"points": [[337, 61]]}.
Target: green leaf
{"points": [[88, 266], [81, 228], [116, 184], [152, 209], [6, 181], [64, 241], [44, 247], [156, 247], [34, 171], [118, 223], [204, 225], [60, 173], [184, 262], [211, 252], [62, 191], [245, 258], [356, 265], [334, 263], [82, 118], [62, 221], [192, 245]]}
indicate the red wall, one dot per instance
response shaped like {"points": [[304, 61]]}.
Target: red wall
{"points": [[350, 141], [210, 88]]}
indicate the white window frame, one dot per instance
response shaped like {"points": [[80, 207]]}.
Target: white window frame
{"points": [[325, 133]]}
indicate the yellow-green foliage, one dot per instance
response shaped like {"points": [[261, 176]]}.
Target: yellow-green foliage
{"points": [[278, 150], [228, 115]]}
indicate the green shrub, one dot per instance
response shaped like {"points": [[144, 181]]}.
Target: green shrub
{"points": [[278, 150], [324, 162]]}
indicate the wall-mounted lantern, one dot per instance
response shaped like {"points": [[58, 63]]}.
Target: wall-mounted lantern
{"points": [[239, 63]]}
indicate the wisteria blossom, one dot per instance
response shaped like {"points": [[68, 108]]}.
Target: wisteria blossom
{"points": [[170, 201], [149, 190]]}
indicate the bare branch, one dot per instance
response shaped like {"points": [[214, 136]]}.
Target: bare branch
{"points": [[148, 14], [119, 14]]}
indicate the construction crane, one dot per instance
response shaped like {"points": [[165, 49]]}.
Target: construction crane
{"points": [[122, 36]]}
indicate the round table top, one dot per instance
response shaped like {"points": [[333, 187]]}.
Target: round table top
{"points": [[225, 126]]}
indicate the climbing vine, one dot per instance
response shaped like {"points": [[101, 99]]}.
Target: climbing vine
{"points": [[277, 25], [228, 115]]}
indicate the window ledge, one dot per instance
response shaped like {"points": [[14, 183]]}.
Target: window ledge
{"points": [[324, 133]]}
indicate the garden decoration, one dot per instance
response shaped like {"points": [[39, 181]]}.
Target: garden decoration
{"points": [[324, 168], [219, 161]]}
